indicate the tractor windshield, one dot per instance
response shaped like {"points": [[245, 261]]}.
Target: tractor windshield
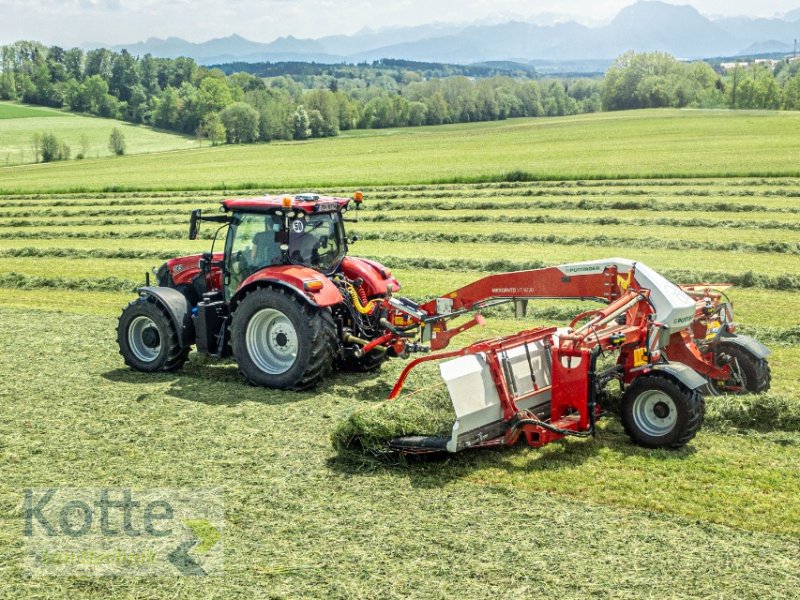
{"points": [[317, 241], [253, 243]]}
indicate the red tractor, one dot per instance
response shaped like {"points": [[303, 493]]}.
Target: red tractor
{"points": [[289, 305], [283, 298]]}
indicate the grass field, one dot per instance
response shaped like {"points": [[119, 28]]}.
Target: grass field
{"points": [[660, 143], [18, 123], [577, 519]]}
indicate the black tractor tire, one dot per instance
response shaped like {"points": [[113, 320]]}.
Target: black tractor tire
{"points": [[147, 337], [658, 412], [364, 364], [280, 341], [755, 372]]}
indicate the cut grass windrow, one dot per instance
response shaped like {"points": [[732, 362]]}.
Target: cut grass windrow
{"points": [[601, 241], [578, 220], [140, 216], [159, 234], [164, 220], [747, 279], [97, 212], [589, 205], [772, 246], [80, 253], [105, 284]]}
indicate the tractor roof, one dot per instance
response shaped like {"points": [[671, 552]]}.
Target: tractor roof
{"points": [[308, 203]]}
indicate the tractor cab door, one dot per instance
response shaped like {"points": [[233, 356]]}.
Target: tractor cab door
{"points": [[251, 245]]}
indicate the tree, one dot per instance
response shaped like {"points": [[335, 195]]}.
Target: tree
{"points": [[316, 123], [53, 149], [417, 113], [213, 95], [212, 129], [116, 142], [300, 124], [274, 111], [792, 93], [124, 75], [241, 123], [167, 111], [323, 101]]}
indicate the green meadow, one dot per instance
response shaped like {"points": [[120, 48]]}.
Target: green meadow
{"points": [[19, 123], [699, 196]]}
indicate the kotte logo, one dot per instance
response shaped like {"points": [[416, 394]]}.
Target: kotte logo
{"points": [[122, 532]]}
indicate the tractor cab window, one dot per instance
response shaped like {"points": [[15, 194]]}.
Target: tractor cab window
{"points": [[252, 244], [317, 241]]}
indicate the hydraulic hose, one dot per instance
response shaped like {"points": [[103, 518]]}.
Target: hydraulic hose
{"points": [[364, 309]]}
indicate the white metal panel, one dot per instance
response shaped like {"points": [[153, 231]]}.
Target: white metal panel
{"points": [[471, 388]]}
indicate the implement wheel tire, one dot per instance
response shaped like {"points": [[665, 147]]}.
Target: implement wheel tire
{"points": [[658, 412], [754, 373], [147, 338], [280, 341]]}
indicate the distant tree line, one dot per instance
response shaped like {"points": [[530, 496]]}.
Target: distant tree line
{"points": [[656, 80], [180, 95], [322, 100]]}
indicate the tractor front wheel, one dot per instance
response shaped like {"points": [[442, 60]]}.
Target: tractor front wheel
{"points": [[147, 338], [282, 342], [660, 413]]}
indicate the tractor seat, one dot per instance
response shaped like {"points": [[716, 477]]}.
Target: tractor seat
{"points": [[266, 248]]}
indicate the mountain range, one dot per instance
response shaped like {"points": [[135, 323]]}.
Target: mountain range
{"points": [[646, 25]]}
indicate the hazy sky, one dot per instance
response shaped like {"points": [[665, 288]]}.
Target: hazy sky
{"points": [[72, 22]]}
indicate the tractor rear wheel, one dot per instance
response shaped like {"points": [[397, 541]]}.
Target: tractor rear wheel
{"points": [[750, 374], [281, 342], [660, 413], [147, 338]]}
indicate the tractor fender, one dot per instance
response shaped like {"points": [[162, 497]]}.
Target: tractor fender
{"points": [[292, 278], [179, 309], [682, 373], [754, 347], [376, 277]]}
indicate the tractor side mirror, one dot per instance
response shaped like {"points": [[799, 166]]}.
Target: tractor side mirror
{"points": [[194, 224]]}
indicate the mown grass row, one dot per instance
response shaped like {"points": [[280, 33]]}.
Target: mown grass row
{"points": [[545, 219], [601, 241], [773, 246], [468, 215], [379, 201], [590, 205], [690, 187], [747, 279]]}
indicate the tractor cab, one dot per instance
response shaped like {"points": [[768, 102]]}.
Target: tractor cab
{"points": [[305, 231]]}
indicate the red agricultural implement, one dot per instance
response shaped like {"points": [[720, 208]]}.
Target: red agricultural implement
{"points": [[289, 305]]}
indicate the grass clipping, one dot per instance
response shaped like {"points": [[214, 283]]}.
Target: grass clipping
{"points": [[367, 431], [765, 412]]}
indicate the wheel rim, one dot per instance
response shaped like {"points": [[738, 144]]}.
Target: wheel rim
{"points": [[655, 413], [144, 339], [271, 341]]}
